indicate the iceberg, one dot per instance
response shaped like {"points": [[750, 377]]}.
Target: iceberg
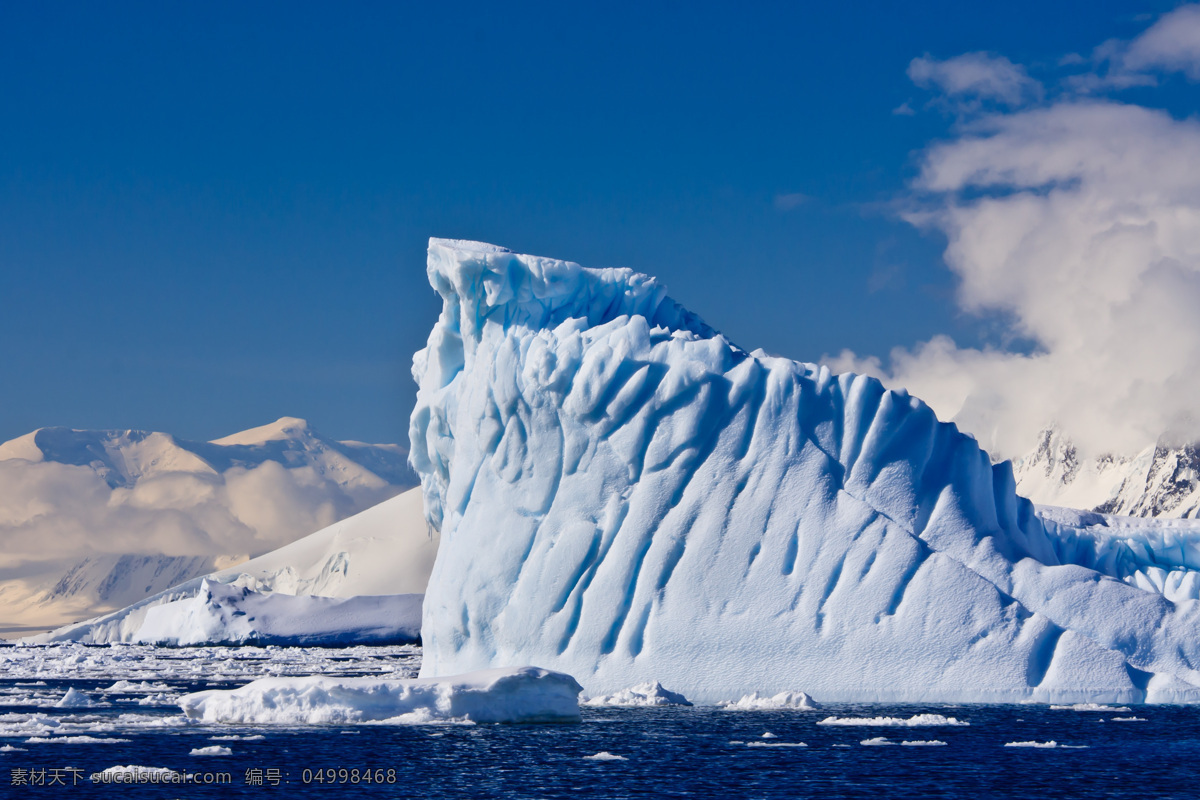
{"points": [[522, 694], [624, 495], [795, 701], [644, 695], [232, 614]]}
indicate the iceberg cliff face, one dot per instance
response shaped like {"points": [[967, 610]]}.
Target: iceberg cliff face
{"points": [[624, 495]]}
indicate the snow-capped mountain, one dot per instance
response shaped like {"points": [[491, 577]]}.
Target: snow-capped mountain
{"points": [[1160, 481], [626, 496], [386, 550], [95, 520]]}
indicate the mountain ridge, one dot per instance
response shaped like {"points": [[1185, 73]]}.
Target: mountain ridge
{"points": [[92, 520], [1161, 480]]}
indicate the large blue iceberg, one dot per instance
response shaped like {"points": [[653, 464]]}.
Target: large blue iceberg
{"points": [[626, 496]]}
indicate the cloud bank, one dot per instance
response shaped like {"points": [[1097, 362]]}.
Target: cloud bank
{"points": [[1077, 220]]}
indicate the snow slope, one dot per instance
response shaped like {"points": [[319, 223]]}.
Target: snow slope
{"points": [[91, 521], [386, 550], [625, 496], [1161, 481]]}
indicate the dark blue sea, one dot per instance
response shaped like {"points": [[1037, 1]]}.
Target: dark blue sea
{"points": [[130, 718]]}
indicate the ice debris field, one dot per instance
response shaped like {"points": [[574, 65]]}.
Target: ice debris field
{"points": [[121, 713]]}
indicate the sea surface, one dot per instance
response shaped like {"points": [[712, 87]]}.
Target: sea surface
{"points": [[123, 712]]}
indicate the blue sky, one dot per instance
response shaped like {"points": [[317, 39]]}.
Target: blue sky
{"points": [[213, 215]]}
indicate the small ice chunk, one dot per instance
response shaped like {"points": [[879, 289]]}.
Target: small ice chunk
{"points": [[75, 699], [924, 743], [604, 755], [650, 693], [1128, 719], [776, 744], [211, 750], [798, 701], [769, 735], [8, 748], [1092, 707], [916, 721], [1050, 745], [878, 741]]}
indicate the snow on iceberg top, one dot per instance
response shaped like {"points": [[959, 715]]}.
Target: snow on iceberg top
{"points": [[480, 282], [466, 245]]}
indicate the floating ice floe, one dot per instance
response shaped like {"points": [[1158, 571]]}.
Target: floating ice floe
{"points": [[521, 694], [923, 743], [633, 477], [129, 687], [878, 741], [1128, 719], [1050, 745], [211, 750], [776, 744], [650, 693], [604, 755], [8, 748], [917, 721], [237, 737], [797, 701], [73, 740], [1091, 707]]}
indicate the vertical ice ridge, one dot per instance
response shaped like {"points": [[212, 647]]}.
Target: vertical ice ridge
{"points": [[1042, 654]]}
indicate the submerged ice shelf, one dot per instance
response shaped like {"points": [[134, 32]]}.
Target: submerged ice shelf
{"points": [[625, 496]]}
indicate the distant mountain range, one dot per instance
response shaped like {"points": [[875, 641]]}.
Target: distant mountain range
{"points": [[1160, 481], [91, 521]]}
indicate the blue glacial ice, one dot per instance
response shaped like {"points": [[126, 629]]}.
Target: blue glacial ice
{"points": [[625, 496]]}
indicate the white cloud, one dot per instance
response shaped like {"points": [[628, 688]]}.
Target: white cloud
{"points": [[1172, 45], [973, 78], [1081, 221]]}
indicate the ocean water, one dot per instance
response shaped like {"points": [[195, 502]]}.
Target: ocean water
{"points": [[122, 711]]}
